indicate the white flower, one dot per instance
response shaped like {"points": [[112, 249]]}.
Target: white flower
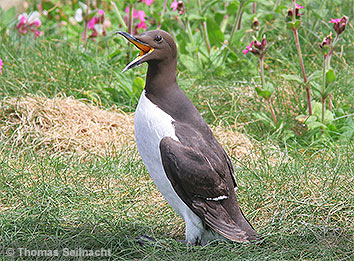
{"points": [[78, 15]]}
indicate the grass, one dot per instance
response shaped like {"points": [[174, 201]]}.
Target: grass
{"points": [[55, 66], [64, 124], [301, 203], [62, 186], [302, 207]]}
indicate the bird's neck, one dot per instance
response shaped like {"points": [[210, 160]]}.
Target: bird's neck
{"points": [[160, 76]]}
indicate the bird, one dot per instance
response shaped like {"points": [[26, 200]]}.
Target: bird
{"points": [[186, 162]]}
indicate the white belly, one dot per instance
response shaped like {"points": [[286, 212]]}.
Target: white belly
{"points": [[151, 125]]}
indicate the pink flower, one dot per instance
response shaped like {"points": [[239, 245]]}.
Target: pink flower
{"points": [[37, 23], [137, 14], [127, 10], [91, 23], [96, 25], [178, 6], [248, 48], [291, 11], [29, 23], [142, 25], [334, 21], [298, 6], [148, 2], [174, 5], [23, 20], [339, 24], [1, 64], [141, 15]]}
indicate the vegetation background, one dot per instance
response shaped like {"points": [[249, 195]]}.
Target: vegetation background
{"points": [[70, 176]]}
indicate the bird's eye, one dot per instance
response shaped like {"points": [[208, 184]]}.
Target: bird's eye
{"points": [[158, 38]]}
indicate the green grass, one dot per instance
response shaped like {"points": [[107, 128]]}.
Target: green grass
{"points": [[56, 66], [303, 208], [303, 205], [52, 67]]}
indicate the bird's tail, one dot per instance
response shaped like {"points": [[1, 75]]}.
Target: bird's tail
{"points": [[228, 220]]}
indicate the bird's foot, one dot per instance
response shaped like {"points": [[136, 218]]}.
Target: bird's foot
{"points": [[144, 240], [182, 241]]}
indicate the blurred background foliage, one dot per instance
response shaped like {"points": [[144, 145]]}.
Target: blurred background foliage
{"points": [[72, 58]]}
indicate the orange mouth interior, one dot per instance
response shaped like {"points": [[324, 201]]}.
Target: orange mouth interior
{"points": [[144, 49]]}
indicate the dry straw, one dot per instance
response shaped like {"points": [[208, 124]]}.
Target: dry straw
{"points": [[69, 126], [65, 125]]}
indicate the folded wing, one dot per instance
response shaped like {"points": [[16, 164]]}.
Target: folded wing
{"points": [[206, 185]]}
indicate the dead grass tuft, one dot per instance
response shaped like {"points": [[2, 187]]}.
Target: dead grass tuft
{"points": [[69, 126], [64, 125], [235, 143]]}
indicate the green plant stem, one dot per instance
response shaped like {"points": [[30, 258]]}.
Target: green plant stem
{"points": [[189, 31], [308, 96], [307, 86], [235, 27], [323, 93], [162, 13], [84, 34], [239, 19], [329, 56], [130, 19], [130, 28], [120, 19], [323, 101], [180, 22], [204, 28], [254, 9], [205, 32], [327, 64], [224, 23], [272, 111], [261, 65]]}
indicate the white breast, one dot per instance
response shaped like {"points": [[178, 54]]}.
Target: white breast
{"points": [[151, 125]]}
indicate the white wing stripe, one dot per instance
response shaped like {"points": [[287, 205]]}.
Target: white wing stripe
{"points": [[218, 198]]}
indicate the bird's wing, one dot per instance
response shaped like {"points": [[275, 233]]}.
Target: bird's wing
{"points": [[204, 188]]}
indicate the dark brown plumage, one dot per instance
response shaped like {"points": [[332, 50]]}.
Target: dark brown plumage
{"points": [[196, 165]]}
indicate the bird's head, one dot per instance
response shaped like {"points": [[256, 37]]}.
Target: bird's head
{"points": [[155, 46]]}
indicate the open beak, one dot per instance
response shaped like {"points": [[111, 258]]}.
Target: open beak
{"points": [[144, 48]]}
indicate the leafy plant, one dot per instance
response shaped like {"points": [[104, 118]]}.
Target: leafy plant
{"points": [[210, 36], [294, 22], [267, 88], [6, 19]]}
